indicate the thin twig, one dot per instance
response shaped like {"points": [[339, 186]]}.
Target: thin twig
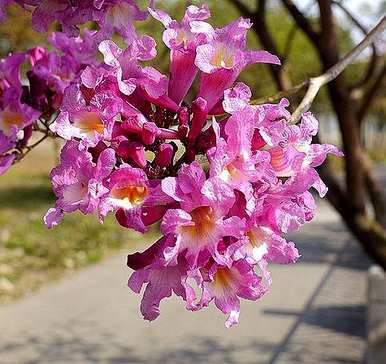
{"points": [[28, 148], [370, 94], [281, 94], [303, 22], [374, 57], [292, 33], [316, 83]]}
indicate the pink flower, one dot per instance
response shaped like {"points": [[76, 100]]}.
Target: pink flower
{"points": [[78, 182], [223, 58], [262, 243], [6, 162], [15, 115], [201, 221], [89, 120], [161, 281], [10, 70], [83, 49], [118, 15], [3, 4], [138, 201], [225, 190], [182, 39], [147, 82], [6, 159], [226, 285]]}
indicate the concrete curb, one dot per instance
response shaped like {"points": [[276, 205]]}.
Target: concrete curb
{"points": [[376, 322]]}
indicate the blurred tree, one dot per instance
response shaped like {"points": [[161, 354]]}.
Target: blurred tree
{"points": [[16, 32]]}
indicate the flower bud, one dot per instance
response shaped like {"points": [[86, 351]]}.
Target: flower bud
{"points": [[165, 155]]}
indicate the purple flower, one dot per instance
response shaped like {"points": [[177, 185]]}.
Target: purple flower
{"points": [[78, 182], [226, 285], [201, 221], [118, 15], [6, 144], [15, 115], [89, 120], [6, 162], [3, 4], [225, 190], [182, 40], [161, 281], [83, 49], [10, 70], [128, 72], [223, 58]]}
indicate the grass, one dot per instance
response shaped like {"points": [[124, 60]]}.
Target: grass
{"points": [[29, 253]]}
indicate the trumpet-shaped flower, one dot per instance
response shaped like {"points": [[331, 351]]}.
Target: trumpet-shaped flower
{"points": [[89, 120], [226, 285], [15, 115], [182, 40], [225, 190], [223, 58], [78, 182], [201, 221], [138, 201], [161, 280]]}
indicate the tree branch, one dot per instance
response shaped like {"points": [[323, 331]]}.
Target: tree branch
{"points": [[370, 95], [287, 93], [242, 8], [374, 57], [301, 20], [376, 193], [260, 28], [316, 83], [292, 33], [22, 153]]}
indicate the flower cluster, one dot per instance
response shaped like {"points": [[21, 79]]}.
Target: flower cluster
{"points": [[30, 105], [225, 179], [110, 15]]}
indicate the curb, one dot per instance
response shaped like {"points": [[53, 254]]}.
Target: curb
{"points": [[376, 316]]}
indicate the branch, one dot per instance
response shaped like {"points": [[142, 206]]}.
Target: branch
{"points": [[292, 33], [22, 154], [292, 91], [376, 193], [316, 83], [301, 20], [374, 57], [370, 95], [242, 8]]}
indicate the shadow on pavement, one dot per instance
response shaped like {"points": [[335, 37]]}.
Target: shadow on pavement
{"points": [[79, 350]]}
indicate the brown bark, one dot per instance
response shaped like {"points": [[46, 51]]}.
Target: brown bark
{"points": [[375, 192], [260, 28], [369, 233], [370, 95]]}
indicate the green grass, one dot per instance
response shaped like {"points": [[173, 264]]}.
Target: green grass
{"points": [[29, 253]]}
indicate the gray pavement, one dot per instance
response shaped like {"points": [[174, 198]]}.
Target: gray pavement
{"points": [[314, 313]]}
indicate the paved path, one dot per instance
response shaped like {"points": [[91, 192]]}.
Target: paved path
{"points": [[313, 314]]}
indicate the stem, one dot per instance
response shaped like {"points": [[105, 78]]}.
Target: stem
{"points": [[316, 83], [29, 148], [281, 94]]}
